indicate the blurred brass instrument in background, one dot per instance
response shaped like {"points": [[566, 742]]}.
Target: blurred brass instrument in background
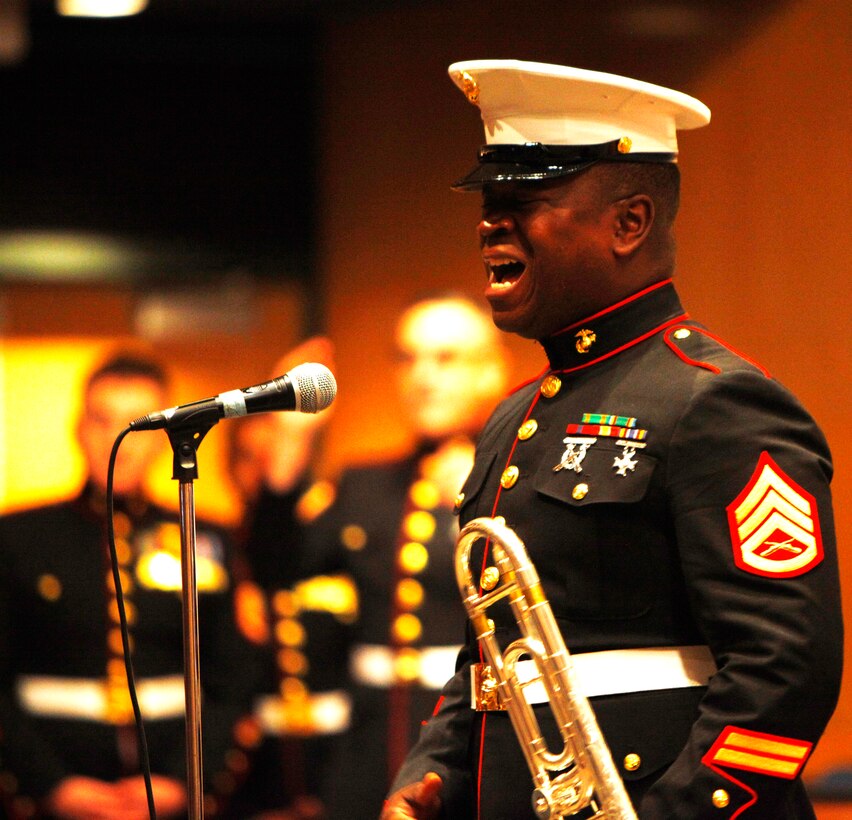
{"points": [[582, 774]]}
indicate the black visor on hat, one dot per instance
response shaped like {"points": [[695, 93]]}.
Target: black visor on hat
{"points": [[534, 161]]}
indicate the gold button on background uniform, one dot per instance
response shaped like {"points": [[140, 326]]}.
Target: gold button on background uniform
{"points": [[123, 552], [682, 333], [292, 662], [550, 386], [407, 628], [124, 579], [580, 491], [129, 612], [114, 641], [409, 593], [419, 525], [424, 493], [413, 557], [116, 669], [353, 537], [122, 526], [721, 799], [407, 665], [284, 603], [289, 632], [49, 587], [292, 688], [509, 477], [247, 732]]}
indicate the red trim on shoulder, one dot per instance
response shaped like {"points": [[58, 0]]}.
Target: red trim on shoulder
{"points": [[682, 356], [437, 707], [711, 367], [616, 306]]}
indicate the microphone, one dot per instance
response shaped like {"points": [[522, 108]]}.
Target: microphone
{"points": [[307, 388]]}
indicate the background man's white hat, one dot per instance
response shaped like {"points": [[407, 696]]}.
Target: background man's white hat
{"points": [[543, 121]]}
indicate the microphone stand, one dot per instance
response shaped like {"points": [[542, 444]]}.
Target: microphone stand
{"points": [[185, 441]]}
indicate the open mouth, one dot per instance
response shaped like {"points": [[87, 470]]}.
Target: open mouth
{"points": [[503, 273]]}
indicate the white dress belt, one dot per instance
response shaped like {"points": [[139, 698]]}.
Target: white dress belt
{"points": [[430, 667], [320, 713], [88, 698], [620, 671]]}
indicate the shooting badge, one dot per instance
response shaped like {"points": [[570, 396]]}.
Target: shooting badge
{"points": [[575, 452]]}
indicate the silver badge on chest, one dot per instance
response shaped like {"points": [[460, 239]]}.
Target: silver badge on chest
{"points": [[626, 463], [575, 451]]}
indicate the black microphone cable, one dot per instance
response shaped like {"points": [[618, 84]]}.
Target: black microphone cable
{"points": [[125, 637]]}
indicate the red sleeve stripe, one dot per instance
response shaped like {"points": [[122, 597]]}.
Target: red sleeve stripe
{"points": [[755, 752]]}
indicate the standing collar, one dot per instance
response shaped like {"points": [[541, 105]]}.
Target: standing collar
{"points": [[616, 328]]}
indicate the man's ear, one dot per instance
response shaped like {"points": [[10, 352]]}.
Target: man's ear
{"points": [[634, 219]]}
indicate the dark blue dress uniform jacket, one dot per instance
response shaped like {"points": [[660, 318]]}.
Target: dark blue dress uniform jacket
{"points": [[55, 619], [651, 558], [376, 499]]}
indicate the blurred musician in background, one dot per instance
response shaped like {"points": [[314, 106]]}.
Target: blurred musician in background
{"points": [[67, 733], [299, 624], [389, 529], [392, 528]]}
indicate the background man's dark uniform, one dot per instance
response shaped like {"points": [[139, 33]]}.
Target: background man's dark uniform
{"points": [[56, 617], [364, 533]]}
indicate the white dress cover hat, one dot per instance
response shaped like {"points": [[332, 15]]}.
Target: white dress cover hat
{"points": [[543, 121]]}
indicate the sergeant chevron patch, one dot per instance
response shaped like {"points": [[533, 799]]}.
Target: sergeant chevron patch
{"points": [[772, 755], [774, 524]]}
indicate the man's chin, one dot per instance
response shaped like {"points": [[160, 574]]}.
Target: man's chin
{"points": [[512, 322]]}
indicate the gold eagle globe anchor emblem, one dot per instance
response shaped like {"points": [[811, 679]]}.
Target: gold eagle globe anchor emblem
{"points": [[585, 339]]}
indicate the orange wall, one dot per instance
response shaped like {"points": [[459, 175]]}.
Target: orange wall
{"points": [[763, 245], [53, 335], [765, 239]]}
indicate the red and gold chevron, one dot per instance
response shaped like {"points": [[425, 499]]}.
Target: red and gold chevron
{"points": [[772, 755], [774, 524]]}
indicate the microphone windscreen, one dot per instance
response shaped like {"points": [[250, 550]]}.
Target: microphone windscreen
{"points": [[315, 387]]}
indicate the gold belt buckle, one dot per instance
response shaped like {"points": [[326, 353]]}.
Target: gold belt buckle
{"points": [[485, 695]]}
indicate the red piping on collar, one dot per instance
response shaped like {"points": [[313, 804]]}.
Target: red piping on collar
{"points": [[631, 343], [616, 306]]}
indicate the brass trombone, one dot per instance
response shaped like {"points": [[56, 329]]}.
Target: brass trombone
{"points": [[581, 774]]}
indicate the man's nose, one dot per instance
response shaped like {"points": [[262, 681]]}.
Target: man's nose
{"points": [[493, 222]]}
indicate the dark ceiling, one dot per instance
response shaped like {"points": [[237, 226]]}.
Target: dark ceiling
{"points": [[169, 129], [191, 127]]}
